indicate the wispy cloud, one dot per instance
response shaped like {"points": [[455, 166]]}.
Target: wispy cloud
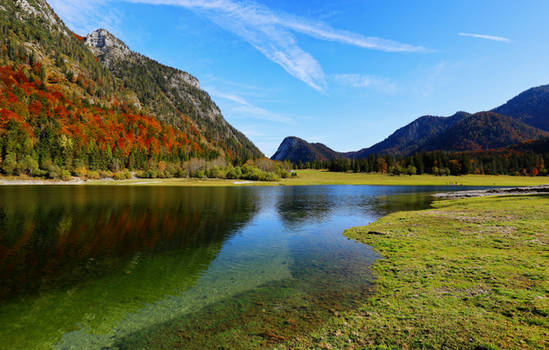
{"points": [[272, 34], [83, 16], [486, 37], [242, 108], [366, 81]]}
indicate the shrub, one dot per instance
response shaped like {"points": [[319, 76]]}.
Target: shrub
{"points": [[234, 173], [411, 170], [120, 175], [181, 173], [105, 173], [94, 175], [252, 173], [397, 170], [81, 172], [9, 165], [199, 174], [148, 174], [218, 173], [53, 172], [65, 175], [29, 166]]}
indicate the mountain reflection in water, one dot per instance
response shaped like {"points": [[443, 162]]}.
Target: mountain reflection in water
{"points": [[155, 267]]}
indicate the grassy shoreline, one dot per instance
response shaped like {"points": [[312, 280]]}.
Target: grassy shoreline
{"points": [[309, 177], [468, 274]]}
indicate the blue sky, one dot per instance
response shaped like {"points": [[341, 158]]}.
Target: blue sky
{"points": [[346, 73]]}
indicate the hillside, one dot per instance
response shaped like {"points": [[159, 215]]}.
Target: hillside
{"points": [[64, 109], [295, 150], [530, 107], [482, 131], [413, 136], [523, 118], [167, 93]]}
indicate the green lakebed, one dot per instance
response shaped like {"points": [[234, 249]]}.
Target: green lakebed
{"points": [[93, 267]]}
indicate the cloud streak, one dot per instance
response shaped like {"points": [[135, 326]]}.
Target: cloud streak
{"points": [[243, 108], [272, 34], [486, 37]]}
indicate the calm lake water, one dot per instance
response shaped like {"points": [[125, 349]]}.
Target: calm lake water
{"points": [[87, 267]]}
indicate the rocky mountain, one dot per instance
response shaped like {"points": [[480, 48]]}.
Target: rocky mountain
{"points": [[74, 103], [167, 93], [530, 107], [295, 150], [523, 118]]}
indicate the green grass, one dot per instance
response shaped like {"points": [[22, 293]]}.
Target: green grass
{"points": [[471, 274], [320, 177], [323, 177]]}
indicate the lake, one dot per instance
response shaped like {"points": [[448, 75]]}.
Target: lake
{"points": [[92, 267]]}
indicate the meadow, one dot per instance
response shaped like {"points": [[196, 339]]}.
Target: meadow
{"points": [[323, 177], [468, 274]]}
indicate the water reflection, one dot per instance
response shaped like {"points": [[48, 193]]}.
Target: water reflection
{"points": [[52, 237], [142, 267]]}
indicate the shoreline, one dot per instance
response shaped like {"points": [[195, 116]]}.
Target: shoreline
{"points": [[506, 191], [466, 273], [305, 178]]}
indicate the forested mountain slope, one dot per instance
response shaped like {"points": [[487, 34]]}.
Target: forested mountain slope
{"points": [[62, 108], [530, 107], [167, 93], [482, 131], [523, 118], [413, 136]]}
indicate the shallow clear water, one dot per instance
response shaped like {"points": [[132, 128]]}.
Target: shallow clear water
{"points": [[165, 267]]}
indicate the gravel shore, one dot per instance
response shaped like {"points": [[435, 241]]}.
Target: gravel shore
{"points": [[494, 192]]}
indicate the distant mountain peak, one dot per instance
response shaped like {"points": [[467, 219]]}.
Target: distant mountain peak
{"points": [[524, 117], [295, 150], [286, 147], [530, 106]]}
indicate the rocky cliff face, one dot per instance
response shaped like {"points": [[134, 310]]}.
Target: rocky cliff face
{"points": [[39, 8], [107, 47], [168, 93]]}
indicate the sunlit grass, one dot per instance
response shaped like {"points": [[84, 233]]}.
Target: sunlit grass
{"points": [[471, 273], [323, 177], [319, 177]]}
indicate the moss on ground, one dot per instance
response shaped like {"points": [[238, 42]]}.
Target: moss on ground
{"points": [[469, 274]]}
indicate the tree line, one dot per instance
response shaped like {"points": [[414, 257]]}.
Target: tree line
{"points": [[47, 133], [528, 160]]}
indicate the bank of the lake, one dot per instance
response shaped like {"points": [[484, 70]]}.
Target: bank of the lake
{"points": [[309, 177], [323, 177], [470, 273]]}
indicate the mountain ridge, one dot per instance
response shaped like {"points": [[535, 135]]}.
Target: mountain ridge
{"points": [[530, 106], [523, 117], [295, 149]]}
